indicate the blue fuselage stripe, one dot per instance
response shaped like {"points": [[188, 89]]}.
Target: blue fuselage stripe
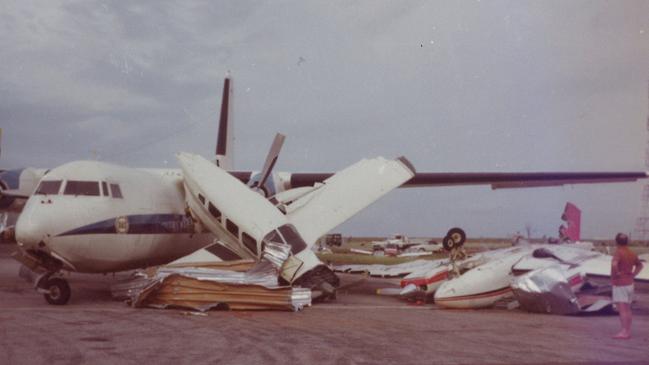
{"points": [[138, 224]]}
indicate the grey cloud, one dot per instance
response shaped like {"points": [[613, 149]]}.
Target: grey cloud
{"points": [[455, 86]]}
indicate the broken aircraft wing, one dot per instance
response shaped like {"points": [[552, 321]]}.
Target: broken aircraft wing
{"points": [[346, 193]]}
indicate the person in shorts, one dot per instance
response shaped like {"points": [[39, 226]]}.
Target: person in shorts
{"points": [[624, 267]]}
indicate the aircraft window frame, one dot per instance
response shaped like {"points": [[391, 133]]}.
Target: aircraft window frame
{"points": [[274, 236], [82, 188], [214, 211], [104, 189], [249, 242], [48, 182], [116, 191], [232, 227], [292, 238]]}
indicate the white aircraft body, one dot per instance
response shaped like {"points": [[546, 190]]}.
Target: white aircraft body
{"points": [[96, 217]]}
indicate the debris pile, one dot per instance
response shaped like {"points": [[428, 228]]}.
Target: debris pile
{"points": [[233, 285]]}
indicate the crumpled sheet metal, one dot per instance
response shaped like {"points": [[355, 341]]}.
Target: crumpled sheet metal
{"points": [[276, 253], [205, 288], [546, 290], [179, 291]]}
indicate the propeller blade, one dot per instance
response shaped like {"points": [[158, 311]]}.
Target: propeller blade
{"points": [[271, 159], [11, 194]]}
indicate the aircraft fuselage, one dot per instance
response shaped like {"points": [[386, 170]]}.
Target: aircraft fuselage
{"points": [[96, 217]]}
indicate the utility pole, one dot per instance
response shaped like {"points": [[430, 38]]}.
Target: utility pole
{"points": [[641, 230]]}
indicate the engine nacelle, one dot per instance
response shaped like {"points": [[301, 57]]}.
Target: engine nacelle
{"points": [[16, 186]]}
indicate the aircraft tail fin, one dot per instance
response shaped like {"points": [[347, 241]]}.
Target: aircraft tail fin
{"points": [[572, 216], [223, 157]]}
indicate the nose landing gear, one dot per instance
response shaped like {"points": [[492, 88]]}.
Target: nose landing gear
{"points": [[44, 271], [55, 290]]}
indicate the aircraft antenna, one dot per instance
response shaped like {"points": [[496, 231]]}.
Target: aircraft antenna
{"points": [[641, 230]]}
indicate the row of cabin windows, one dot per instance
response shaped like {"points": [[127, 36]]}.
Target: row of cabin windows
{"points": [[247, 240], [74, 187]]}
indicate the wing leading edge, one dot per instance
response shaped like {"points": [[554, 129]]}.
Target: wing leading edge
{"points": [[497, 180]]}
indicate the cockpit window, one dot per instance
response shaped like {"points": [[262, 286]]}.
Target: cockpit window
{"points": [[90, 188], [49, 187], [117, 192], [104, 188], [286, 234], [292, 238]]}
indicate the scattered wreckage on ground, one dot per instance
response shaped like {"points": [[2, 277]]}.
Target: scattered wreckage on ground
{"points": [[547, 278], [542, 278]]}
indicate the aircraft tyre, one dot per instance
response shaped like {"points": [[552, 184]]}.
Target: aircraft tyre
{"points": [[454, 238], [448, 243], [458, 235], [58, 291]]}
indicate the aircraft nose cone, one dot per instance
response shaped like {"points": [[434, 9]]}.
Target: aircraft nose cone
{"points": [[29, 232]]}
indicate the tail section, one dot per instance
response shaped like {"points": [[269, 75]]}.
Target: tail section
{"points": [[572, 216], [223, 159]]}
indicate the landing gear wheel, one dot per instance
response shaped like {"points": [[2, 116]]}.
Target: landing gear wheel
{"points": [[448, 243], [457, 235], [58, 291]]}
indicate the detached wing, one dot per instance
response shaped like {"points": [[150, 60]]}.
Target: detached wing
{"points": [[345, 193], [497, 180]]}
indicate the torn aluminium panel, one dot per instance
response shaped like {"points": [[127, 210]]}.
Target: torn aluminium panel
{"points": [[556, 290]]}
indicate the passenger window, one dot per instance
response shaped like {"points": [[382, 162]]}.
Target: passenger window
{"points": [[214, 211], [89, 188], [201, 199], [232, 228], [249, 242], [116, 191], [104, 188], [49, 187]]}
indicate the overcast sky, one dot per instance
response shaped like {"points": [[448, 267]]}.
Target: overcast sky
{"points": [[454, 86]]}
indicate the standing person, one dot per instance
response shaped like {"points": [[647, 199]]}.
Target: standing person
{"points": [[624, 267]]}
